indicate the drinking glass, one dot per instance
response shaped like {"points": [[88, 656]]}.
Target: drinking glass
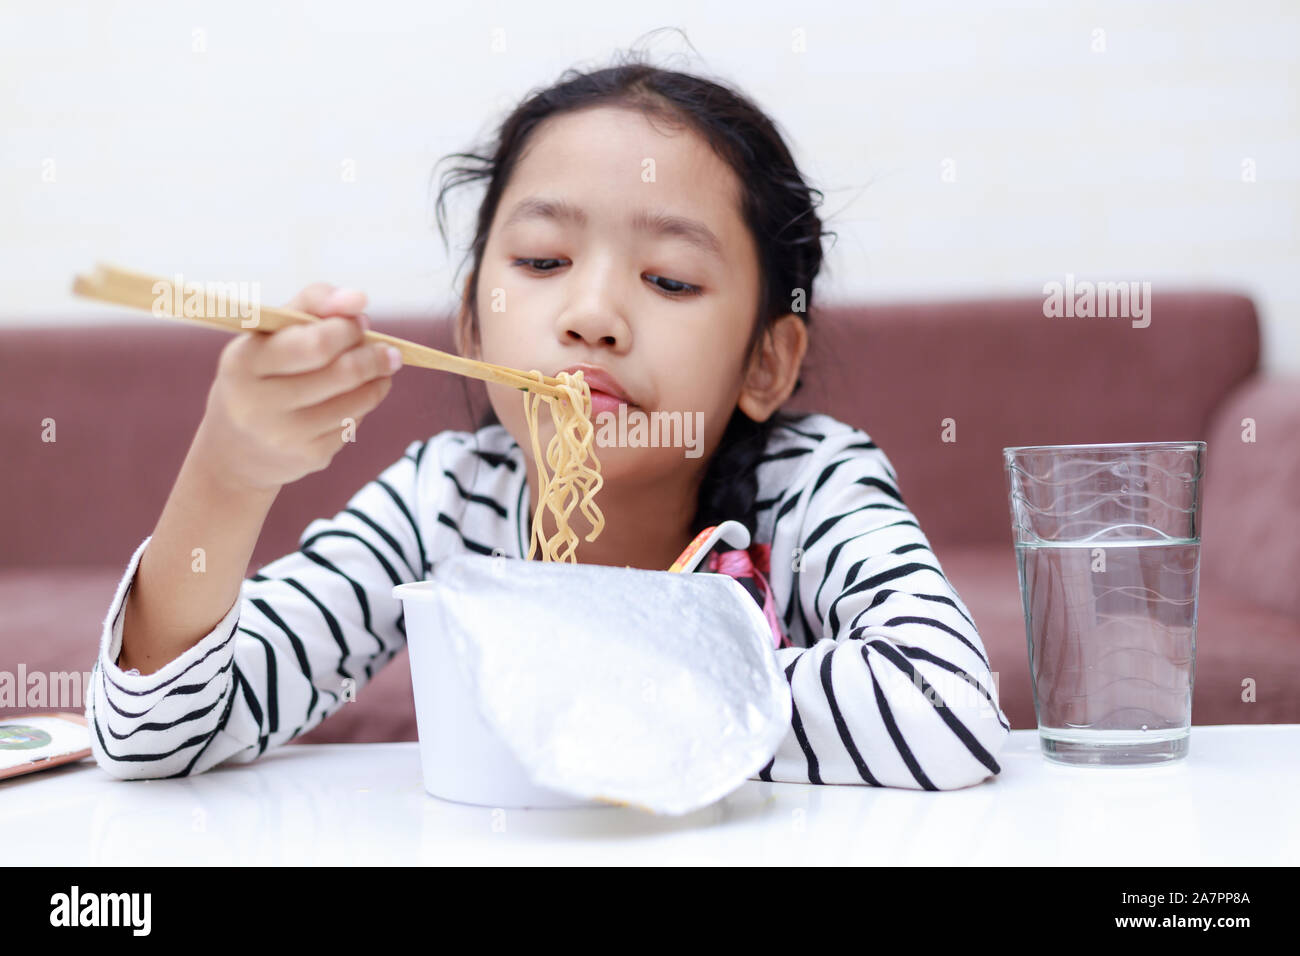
{"points": [[1108, 542]]}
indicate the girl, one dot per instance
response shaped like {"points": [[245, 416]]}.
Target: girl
{"points": [[650, 228]]}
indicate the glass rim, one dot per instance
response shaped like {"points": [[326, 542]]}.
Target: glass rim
{"points": [[1168, 445]]}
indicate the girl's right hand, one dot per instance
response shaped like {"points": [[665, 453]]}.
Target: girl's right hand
{"points": [[283, 403]]}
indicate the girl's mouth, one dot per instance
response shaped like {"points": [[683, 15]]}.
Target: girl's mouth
{"points": [[607, 393], [605, 402]]}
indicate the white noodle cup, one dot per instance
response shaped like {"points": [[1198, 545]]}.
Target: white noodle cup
{"points": [[541, 684]]}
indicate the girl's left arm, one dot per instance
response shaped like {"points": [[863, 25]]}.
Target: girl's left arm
{"points": [[895, 689]]}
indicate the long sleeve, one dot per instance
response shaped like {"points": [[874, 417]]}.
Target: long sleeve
{"points": [[306, 633], [892, 686]]}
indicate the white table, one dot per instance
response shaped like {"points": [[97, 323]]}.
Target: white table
{"points": [[1232, 801]]}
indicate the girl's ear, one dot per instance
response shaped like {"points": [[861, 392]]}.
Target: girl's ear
{"points": [[464, 330], [775, 369]]}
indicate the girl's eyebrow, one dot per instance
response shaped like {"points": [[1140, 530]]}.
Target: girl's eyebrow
{"points": [[643, 220]]}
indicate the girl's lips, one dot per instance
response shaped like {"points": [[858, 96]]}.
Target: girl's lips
{"points": [[599, 380], [605, 402], [607, 392]]}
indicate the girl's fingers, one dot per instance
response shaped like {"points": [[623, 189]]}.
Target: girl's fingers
{"points": [[353, 369], [311, 298], [304, 348], [345, 302], [323, 300], [307, 347]]}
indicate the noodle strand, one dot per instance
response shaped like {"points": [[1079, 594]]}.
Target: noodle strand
{"points": [[574, 475]]}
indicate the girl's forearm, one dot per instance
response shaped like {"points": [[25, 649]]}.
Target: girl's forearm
{"points": [[194, 566]]}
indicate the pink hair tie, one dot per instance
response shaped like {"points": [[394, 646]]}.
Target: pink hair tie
{"points": [[741, 564]]}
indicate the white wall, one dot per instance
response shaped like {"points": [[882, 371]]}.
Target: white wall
{"points": [[123, 142]]}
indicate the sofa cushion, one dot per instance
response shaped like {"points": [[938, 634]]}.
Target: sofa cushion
{"points": [[1251, 498]]}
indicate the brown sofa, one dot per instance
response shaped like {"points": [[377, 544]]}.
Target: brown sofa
{"points": [[126, 398]]}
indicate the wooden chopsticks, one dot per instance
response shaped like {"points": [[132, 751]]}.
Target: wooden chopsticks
{"points": [[134, 290]]}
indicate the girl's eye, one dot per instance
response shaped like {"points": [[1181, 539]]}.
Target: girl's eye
{"points": [[533, 263], [672, 289], [682, 291]]}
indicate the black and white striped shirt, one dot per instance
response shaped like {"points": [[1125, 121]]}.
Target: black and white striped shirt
{"points": [[889, 679]]}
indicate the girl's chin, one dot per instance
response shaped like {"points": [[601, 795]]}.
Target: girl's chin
{"points": [[613, 458], [617, 461]]}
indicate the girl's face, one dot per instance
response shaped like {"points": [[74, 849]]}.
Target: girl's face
{"points": [[620, 245]]}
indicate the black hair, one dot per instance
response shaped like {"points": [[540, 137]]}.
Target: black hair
{"points": [[778, 207]]}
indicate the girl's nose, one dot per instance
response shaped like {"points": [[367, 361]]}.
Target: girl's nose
{"points": [[596, 328], [602, 340], [594, 308]]}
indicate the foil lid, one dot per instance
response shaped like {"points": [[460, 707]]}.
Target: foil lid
{"points": [[648, 688]]}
